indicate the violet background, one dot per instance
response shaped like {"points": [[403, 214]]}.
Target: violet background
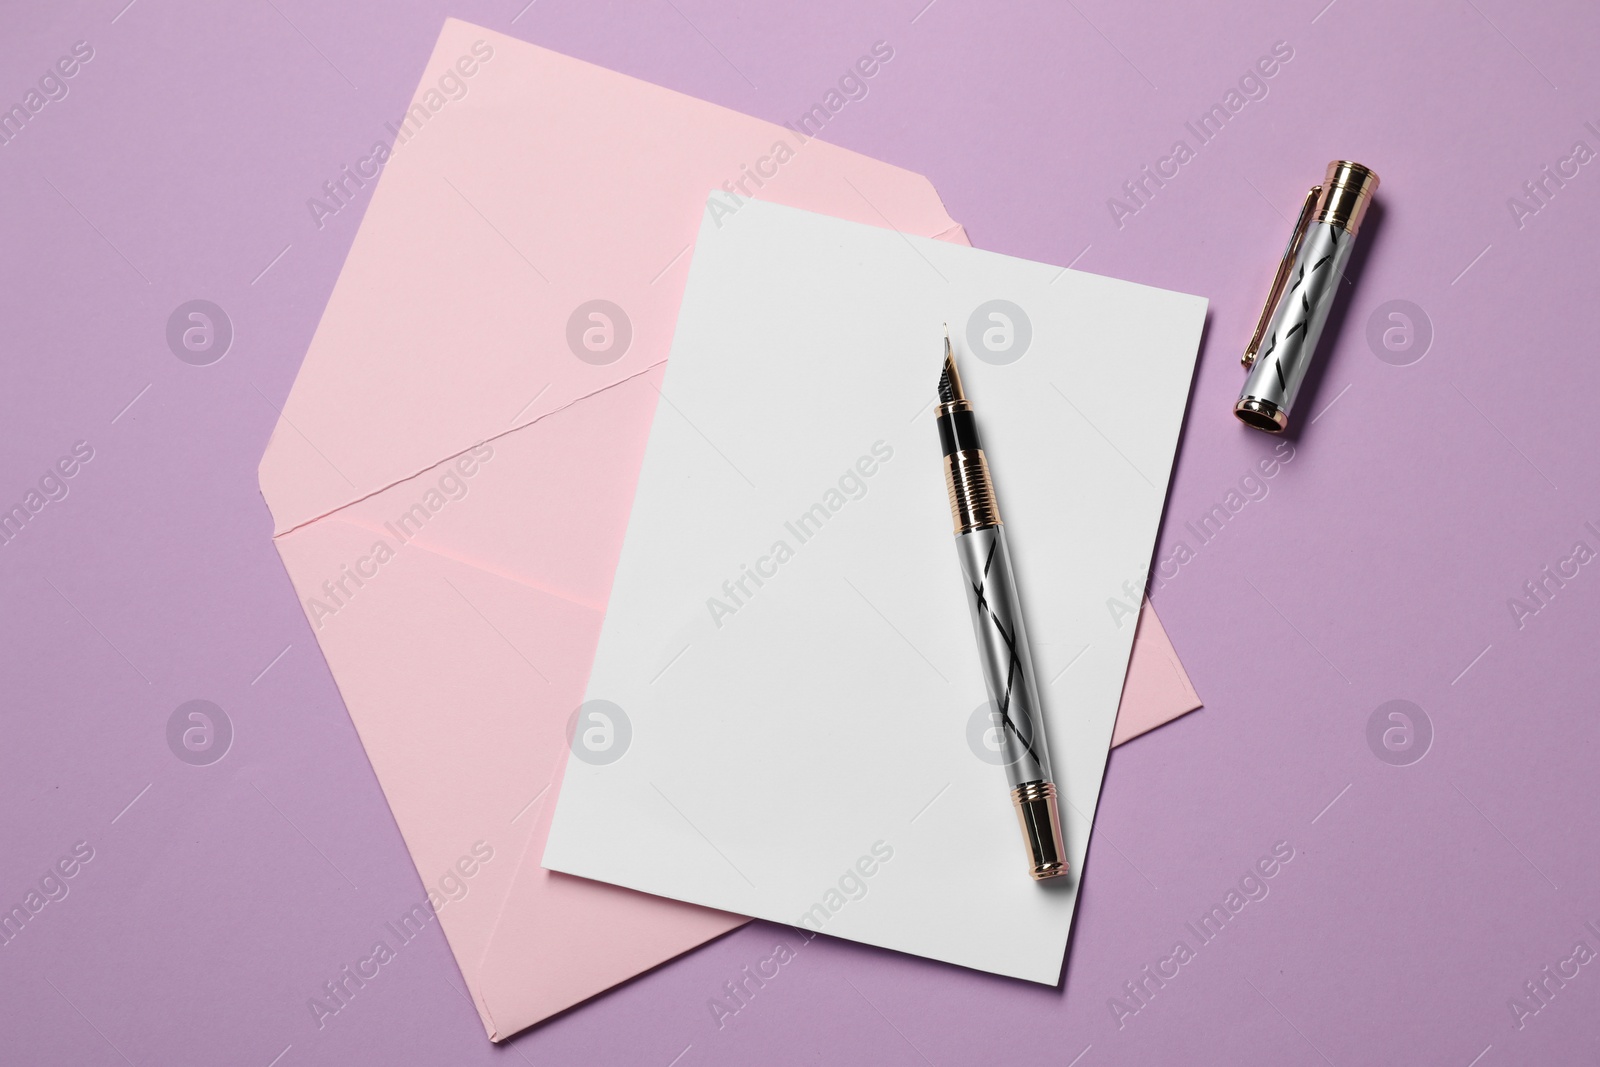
{"points": [[1378, 568]]}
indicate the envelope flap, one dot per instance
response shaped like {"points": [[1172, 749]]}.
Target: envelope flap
{"points": [[494, 281]]}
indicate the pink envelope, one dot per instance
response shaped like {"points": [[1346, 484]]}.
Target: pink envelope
{"points": [[451, 477]]}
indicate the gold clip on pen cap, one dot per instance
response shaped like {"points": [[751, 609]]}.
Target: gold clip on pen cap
{"points": [[1303, 291]]}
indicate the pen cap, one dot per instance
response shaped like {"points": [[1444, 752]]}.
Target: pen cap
{"points": [[1347, 189], [1302, 294]]}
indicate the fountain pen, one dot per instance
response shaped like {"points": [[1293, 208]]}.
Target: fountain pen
{"points": [[997, 624]]}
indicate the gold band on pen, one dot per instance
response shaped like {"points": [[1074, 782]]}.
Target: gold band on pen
{"points": [[1346, 192], [972, 502], [1041, 829]]}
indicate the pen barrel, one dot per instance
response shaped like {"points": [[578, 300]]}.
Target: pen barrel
{"points": [[1003, 653], [1295, 327], [1002, 636]]}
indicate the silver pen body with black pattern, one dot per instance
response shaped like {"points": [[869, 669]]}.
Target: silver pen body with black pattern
{"points": [[997, 623]]}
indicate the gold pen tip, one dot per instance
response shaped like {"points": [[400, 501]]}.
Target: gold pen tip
{"points": [[950, 380]]}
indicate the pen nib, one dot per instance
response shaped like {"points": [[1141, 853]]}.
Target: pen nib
{"points": [[950, 381]]}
